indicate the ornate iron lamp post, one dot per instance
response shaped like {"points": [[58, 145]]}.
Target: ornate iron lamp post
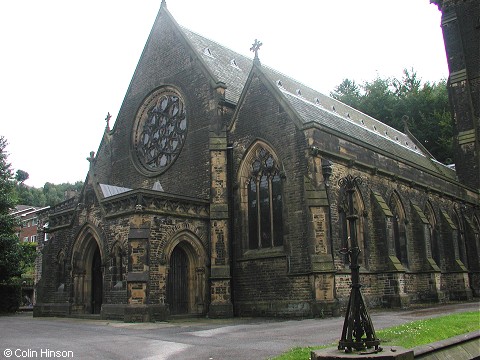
{"points": [[358, 332]]}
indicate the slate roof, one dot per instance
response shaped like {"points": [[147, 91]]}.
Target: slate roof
{"points": [[220, 61], [111, 190], [310, 112], [233, 69]]}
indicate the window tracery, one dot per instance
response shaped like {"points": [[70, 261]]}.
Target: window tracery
{"points": [[160, 132], [265, 201], [358, 207]]}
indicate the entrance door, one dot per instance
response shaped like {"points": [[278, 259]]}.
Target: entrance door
{"points": [[177, 288], [97, 282]]}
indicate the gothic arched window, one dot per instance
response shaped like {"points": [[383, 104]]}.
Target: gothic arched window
{"points": [[264, 200], [399, 229], [432, 221], [459, 238], [359, 210]]}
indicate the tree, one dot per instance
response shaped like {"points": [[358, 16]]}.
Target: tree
{"points": [[21, 176], [9, 247], [389, 100], [49, 195], [55, 194], [347, 92], [378, 101], [28, 254]]}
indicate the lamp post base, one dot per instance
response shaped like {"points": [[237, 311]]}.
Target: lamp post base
{"points": [[357, 324]]}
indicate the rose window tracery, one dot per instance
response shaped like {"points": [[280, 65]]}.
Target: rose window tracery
{"points": [[161, 129]]}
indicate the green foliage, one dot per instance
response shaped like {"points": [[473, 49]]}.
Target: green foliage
{"points": [[9, 247], [9, 257], [409, 335], [349, 92], [430, 330], [21, 176], [49, 195], [389, 100], [28, 253], [27, 195], [299, 353]]}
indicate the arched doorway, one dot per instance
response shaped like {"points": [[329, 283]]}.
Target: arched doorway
{"points": [[186, 273], [87, 273], [177, 284]]}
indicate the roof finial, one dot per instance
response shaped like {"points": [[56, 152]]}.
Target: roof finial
{"points": [[163, 4], [255, 47], [107, 119]]}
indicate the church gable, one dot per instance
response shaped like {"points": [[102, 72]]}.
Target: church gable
{"points": [[161, 131], [264, 127]]}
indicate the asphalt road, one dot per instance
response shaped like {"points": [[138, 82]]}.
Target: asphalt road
{"points": [[22, 336]]}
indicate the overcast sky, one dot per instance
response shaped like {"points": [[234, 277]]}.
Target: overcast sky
{"points": [[64, 64]]}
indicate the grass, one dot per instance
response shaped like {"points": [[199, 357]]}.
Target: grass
{"points": [[409, 335], [426, 331]]}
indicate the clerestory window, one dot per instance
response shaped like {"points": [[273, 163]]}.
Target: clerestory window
{"points": [[264, 193]]}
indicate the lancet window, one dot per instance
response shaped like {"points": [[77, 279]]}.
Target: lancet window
{"points": [[399, 229]]}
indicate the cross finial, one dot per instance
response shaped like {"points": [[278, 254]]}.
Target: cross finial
{"points": [[91, 157], [255, 47], [107, 119]]}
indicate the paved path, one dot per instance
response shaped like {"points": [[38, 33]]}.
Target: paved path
{"points": [[197, 339]]}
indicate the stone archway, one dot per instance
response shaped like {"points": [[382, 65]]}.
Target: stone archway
{"points": [[186, 287], [87, 274], [178, 282]]}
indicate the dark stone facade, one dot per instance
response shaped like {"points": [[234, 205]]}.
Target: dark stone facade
{"points": [[208, 197], [461, 29]]}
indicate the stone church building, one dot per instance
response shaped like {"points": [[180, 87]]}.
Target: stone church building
{"points": [[216, 193]]}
